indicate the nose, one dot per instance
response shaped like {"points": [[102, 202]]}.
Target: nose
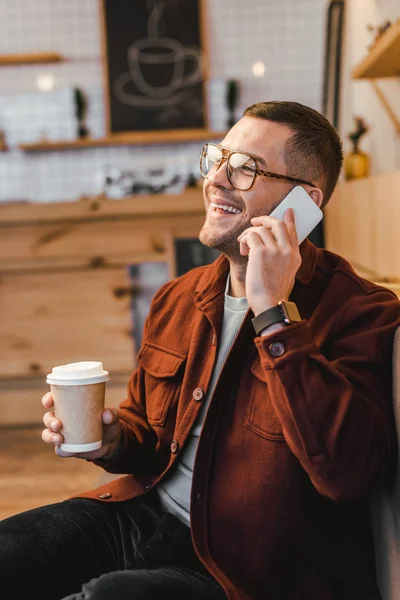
{"points": [[218, 176]]}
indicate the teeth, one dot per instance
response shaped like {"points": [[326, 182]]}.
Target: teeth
{"points": [[230, 209]]}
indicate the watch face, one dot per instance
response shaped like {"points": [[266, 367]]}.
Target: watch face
{"points": [[290, 312]]}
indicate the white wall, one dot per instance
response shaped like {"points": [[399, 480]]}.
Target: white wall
{"points": [[288, 36], [359, 98]]}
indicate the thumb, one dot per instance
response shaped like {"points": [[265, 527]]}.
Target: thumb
{"points": [[110, 416]]}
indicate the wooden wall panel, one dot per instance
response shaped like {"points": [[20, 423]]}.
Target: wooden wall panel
{"points": [[75, 239], [349, 224], [79, 243], [50, 319], [362, 222], [386, 217], [59, 267], [20, 400]]}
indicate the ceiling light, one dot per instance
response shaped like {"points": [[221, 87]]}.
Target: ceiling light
{"points": [[45, 82], [258, 69]]}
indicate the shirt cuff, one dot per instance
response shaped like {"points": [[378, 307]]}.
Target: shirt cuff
{"points": [[283, 345]]}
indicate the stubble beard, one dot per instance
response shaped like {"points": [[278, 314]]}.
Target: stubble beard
{"points": [[214, 236], [225, 241]]}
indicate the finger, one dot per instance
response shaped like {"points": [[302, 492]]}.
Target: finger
{"points": [[266, 234], [283, 231], [253, 239], [110, 416], [272, 223], [264, 220], [47, 400], [281, 235], [111, 432], [52, 438], [244, 233], [51, 421], [290, 220], [263, 232]]}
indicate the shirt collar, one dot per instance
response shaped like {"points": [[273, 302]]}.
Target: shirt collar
{"points": [[213, 280]]}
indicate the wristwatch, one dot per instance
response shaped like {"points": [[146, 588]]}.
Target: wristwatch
{"points": [[285, 312]]}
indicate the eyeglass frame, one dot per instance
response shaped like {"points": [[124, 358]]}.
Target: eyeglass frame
{"points": [[257, 170]]}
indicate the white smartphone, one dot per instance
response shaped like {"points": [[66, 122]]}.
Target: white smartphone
{"points": [[306, 213]]}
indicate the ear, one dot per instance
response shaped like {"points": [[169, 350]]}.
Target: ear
{"points": [[317, 195]]}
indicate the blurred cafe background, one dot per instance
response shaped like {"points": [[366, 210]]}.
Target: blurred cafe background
{"points": [[104, 108]]}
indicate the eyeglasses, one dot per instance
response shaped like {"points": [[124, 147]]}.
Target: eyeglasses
{"points": [[241, 168]]}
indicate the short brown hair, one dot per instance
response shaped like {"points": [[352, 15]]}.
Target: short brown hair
{"points": [[314, 152]]}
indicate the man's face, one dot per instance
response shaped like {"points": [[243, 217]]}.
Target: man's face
{"points": [[265, 141]]}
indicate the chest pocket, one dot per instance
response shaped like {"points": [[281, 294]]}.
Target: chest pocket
{"points": [[163, 378], [261, 416]]}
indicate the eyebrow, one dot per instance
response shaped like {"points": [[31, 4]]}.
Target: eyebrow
{"points": [[255, 156], [259, 158]]}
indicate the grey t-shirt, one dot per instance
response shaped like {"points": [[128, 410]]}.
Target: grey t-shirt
{"points": [[174, 492]]}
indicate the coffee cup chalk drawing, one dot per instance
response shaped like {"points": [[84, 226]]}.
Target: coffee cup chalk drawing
{"points": [[154, 60], [158, 87]]}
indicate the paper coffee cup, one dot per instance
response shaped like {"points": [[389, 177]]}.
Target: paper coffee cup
{"points": [[78, 391]]}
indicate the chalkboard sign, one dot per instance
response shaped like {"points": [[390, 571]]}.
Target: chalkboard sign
{"points": [[153, 65], [191, 253]]}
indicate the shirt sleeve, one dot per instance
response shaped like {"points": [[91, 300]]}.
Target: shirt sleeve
{"points": [[335, 403]]}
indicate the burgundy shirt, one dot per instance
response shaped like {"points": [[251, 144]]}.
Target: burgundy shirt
{"points": [[298, 432]]}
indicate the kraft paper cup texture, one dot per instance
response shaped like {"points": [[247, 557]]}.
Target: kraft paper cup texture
{"points": [[80, 409]]}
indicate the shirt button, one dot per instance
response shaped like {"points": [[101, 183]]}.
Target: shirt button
{"points": [[276, 349], [198, 394], [174, 446], [105, 496]]}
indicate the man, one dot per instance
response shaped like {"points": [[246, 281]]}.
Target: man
{"points": [[252, 442]]}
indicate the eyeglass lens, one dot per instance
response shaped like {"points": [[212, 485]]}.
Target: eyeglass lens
{"points": [[241, 168]]}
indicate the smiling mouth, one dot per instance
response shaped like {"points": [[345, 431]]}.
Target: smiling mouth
{"points": [[228, 210]]}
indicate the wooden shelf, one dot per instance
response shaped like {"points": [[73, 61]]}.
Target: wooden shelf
{"points": [[99, 208], [30, 59], [132, 139], [384, 58]]}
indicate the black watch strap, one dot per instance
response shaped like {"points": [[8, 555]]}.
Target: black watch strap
{"points": [[285, 312], [267, 318]]}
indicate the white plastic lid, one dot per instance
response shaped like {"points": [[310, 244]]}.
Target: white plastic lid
{"points": [[79, 373]]}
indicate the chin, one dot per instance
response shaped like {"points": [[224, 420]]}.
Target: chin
{"points": [[227, 245], [207, 237], [212, 235]]}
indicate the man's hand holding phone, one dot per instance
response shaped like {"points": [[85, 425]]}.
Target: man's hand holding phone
{"points": [[274, 258], [111, 433], [272, 245]]}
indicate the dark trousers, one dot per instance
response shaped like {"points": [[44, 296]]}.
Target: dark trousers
{"points": [[85, 550]]}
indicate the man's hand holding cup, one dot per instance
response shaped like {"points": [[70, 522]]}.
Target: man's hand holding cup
{"points": [[76, 422]]}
